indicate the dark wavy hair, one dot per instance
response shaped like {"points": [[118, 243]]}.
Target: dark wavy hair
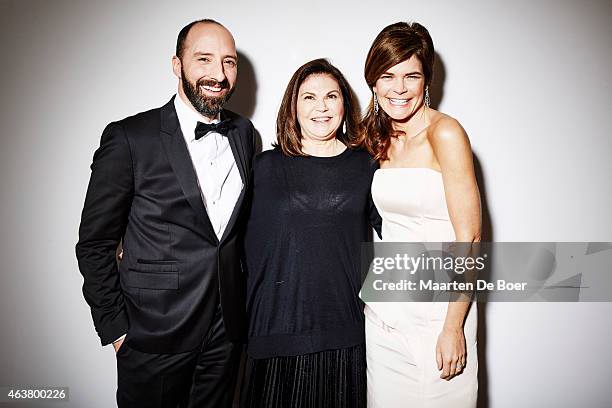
{"points": [[288, 132], [394, 44]]}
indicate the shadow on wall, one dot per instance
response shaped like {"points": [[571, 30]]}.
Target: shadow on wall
{"points": [[436, 89], [436, 94], [244, 99], [486, 236]]}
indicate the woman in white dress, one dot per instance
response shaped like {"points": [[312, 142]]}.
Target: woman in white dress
{"points": [[419, 354]]}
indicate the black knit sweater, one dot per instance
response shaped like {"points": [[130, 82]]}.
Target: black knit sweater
{"points": [[308, 218]]}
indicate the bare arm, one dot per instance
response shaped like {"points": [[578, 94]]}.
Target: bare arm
{"points": [[452, 149]]}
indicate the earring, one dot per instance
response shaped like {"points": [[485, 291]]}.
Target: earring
{"points": [[427, 100], [375, 103], [344, 127]]}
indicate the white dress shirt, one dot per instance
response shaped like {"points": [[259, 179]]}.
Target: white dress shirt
{"points": [[214, 164]]}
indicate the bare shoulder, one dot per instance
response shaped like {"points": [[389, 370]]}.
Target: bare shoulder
{"points": [[445, 127], [446, 131]]}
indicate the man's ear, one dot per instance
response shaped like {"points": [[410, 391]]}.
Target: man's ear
{"points": [[176, 66]]}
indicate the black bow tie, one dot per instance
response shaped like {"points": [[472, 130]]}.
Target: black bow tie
{"points": [[202, 129]]}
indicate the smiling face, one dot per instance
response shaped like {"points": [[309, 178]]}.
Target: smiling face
{"points": [[320, 107], [401, 89], [207, 68]]}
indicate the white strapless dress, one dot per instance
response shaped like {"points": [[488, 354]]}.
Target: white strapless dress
{"points": [[401, 336]]}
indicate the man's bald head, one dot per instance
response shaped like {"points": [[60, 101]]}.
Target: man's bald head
{"points": [[206, 65], [182, 36]]}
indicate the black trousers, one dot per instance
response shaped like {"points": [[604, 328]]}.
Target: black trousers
{"points": [[205, 377]]}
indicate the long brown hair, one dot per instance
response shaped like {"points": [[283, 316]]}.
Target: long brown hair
{"points": [[288, 132], [394, 44]]}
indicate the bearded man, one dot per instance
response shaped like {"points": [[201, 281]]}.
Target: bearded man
{"points": [[170, 184]]}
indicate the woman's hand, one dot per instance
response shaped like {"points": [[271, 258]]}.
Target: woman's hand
{"points": [[450, 352]]}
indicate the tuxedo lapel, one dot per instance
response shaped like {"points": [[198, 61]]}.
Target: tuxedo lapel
{"points": [[180, 160], [240, 158]]}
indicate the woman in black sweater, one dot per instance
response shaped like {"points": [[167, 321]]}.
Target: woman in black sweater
{"points": [[310, 212]]}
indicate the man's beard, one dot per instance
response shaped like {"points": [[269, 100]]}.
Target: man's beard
{"points": [[208, 106]]}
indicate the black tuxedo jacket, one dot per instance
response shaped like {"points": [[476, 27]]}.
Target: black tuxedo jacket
{"points": [[175, 271]]}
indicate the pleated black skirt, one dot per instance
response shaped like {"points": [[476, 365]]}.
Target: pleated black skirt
{"points": [[327, 379]]}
